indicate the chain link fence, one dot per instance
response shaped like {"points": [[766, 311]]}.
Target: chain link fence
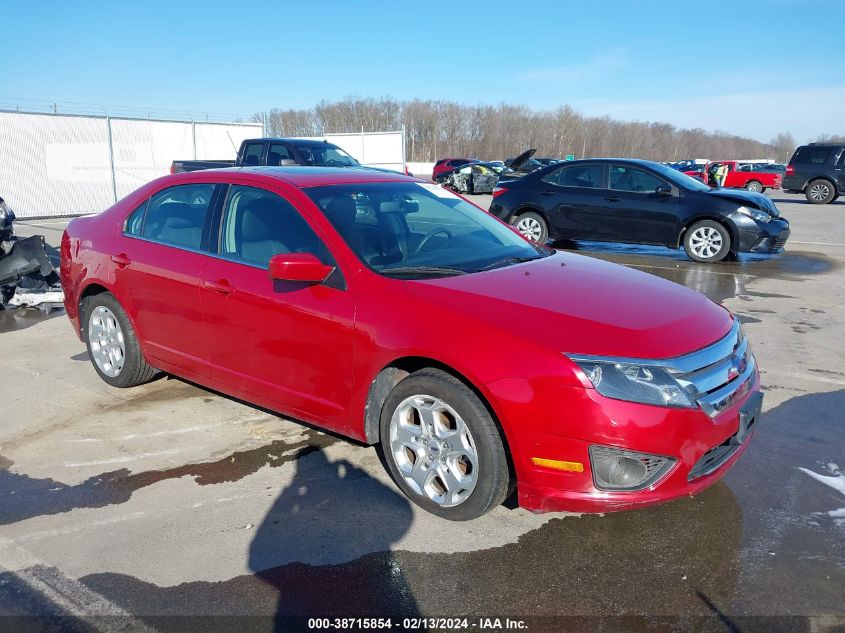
{"points": [[54, 165]]}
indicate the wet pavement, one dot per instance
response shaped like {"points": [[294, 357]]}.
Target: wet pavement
{"points": [[170, 500]]}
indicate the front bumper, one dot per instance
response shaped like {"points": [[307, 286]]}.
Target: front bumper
{"points": [[694, 439], [769, 237]]}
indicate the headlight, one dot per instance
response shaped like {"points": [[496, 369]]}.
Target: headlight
{"points": [[3, 210], [632, 382], [756, 214], [617, 469]]}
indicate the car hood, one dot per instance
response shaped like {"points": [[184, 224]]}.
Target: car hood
{"points": [[578, 304], [758, 200], [520, 160]]}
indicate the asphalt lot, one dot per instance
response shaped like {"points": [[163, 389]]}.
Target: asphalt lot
{"points": [[169, 499]]}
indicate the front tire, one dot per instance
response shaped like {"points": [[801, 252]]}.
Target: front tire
{"points": [[442, 447], [754, 185], [820, 192], [532, 225], [707, 241], [112, 343]]}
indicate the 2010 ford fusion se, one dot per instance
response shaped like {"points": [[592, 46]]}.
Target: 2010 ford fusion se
{"points": [[390, 310]]}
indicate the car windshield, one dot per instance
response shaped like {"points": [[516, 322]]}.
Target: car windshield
{"points": [[415, 230], [678, 178], [326, 156]]}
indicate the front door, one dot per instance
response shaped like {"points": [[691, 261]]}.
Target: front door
{"points": [[636, 212], [289, 344]]}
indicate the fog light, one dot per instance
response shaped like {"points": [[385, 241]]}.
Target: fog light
{"points": [[617, 469]]}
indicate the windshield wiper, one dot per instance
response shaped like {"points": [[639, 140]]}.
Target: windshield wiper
{"points": [[507, 261], [423, 270]]}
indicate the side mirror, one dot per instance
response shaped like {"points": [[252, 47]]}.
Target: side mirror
{"points": [[302, 267], [663, 190]]}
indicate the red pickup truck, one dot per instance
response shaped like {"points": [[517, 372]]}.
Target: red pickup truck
{"points": [[744, 176]]}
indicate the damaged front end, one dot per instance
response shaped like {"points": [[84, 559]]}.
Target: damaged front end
{"points": [[27, 277]]}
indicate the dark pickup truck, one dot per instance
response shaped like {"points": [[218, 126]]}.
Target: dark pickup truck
{"points": [[275, 152]]}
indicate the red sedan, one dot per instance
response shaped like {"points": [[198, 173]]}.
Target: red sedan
{"points": [[388, 309]]}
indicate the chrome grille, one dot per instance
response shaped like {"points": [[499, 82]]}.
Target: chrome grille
{"points": [[718, 375]]}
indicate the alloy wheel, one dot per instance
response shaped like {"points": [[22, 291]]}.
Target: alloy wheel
{"points": [[530, 228], [705, 242], [819, 191], [108, 346], [434, 450]]}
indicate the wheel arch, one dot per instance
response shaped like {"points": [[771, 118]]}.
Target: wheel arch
{"points": [[832, 181], [399, 369], [731, 229]]}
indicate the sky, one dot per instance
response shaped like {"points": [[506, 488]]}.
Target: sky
{"points": [[753, 68]]}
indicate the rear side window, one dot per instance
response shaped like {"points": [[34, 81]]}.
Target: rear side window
{"points": [[252, 154], [590, 176], [135, 221], [626, 178], [810, 155], [176, 215], [258, 224]]}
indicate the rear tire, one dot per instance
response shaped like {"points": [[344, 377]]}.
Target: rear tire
{"points": [[820, 191], [112, 343], [442, 448], [754, 185], [707, 241], [532, 225]]}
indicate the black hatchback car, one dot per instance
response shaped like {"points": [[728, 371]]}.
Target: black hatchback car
{"points": [[639, 202], [818, 171]]}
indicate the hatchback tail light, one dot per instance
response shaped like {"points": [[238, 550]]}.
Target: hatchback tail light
{"points": [[498, 191], [790, 170]]}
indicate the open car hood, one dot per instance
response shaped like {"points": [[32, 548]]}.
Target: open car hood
{"points": [[520, 160]]}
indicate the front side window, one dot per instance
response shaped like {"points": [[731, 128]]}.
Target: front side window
{"points": [[325, 155], [590, 176], [258, 224], [277, 153], [627, 178], [413, 230], [176, 215]]}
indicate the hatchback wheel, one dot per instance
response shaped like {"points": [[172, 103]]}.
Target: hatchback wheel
{"points": [[442, 447], [820, 192], [707, 241], [753, 185], [112, 343], [532, 225]]}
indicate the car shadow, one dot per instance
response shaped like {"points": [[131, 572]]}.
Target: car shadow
{"points": [[318, 523]]}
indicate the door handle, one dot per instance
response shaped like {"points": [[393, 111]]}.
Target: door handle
{"points": [[222, 286], [121, 260], [613, 199], [547, 193]]}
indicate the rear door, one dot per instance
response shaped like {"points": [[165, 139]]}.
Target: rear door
{"points": [[574, 198], [287, 343], [635, 211], [157, 273]]}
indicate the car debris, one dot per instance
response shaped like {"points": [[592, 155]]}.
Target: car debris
{"points": [[482, 177], [27, 277]]}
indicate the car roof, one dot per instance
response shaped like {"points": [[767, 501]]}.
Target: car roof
{"points": [[299, 141], [624, 161], [302, 176]]}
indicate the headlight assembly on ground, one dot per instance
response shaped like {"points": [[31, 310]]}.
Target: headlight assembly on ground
{"points": [[632, 382]]}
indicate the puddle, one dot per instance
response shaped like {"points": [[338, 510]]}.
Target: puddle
{"points": [[16, 319], [23, 497], [720, 281]]}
